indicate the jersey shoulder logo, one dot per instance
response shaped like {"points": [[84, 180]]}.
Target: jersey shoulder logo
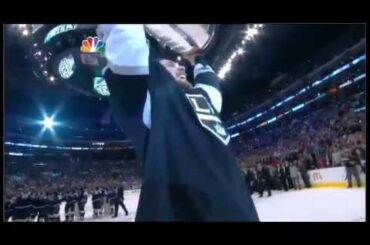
{"points": [[207, 117]]}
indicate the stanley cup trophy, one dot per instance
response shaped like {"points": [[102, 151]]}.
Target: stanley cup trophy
{"points": [[182, 39]]}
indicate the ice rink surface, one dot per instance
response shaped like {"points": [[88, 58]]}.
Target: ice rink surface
{"points": [[321, 204]]}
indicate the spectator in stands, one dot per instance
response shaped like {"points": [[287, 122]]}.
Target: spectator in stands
{"points": [[337, 155]]}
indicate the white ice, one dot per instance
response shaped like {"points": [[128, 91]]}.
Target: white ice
{"points": [[322, 204]]}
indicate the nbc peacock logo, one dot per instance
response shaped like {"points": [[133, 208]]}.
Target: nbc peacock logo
{"points": [[92, 45]]}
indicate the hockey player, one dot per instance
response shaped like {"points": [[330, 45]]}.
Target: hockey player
{"points": [[49, 207], [36, 205], [111, 197], [42, 207], [101, 197], [32, 199], [189, 171], [9, 204], [96, 202], [81, 201], [21, 208], [54, 206], [105, 202], [69, 207]]}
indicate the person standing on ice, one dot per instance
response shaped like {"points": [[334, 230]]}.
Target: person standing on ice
{"points": [[263, 180], [303, 163], [118, 200], [349, 160], [295, 175], [359, 154]]}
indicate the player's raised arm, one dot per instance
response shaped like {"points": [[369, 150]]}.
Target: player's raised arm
{"points": [[126, 48], [206, 79], [126, 74]]}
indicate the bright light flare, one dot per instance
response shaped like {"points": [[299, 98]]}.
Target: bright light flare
{"points": [[240, 51], [48, 123], [25, 32], [251, 32]]}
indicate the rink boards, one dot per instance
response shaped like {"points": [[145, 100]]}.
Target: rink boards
{"points": [[332, 177]]}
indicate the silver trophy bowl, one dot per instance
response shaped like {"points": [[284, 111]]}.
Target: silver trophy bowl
{"points": [[180, 38]]}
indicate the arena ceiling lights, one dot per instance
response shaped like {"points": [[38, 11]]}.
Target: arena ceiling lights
{"points": [[23, 29], [250, 32], [300, 106], [26, 31], [331, 75], [48, 123], [73, 148]]}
